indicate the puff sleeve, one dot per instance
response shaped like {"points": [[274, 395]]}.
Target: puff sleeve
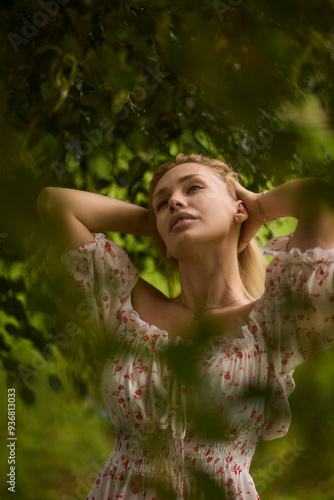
{"points": [[93, 284], [297, 308]]}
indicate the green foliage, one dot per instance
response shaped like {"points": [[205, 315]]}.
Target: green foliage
{"points": [[55, 454], [94, 95]]}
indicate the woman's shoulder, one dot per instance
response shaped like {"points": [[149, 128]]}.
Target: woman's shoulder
{"points": [[156, 309], [146, 294], [147, 300]]}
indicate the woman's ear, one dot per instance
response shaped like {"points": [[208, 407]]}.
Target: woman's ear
{"points": [[241, 213]]}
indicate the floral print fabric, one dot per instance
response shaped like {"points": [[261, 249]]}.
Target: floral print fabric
{"points": [[242, 384]]}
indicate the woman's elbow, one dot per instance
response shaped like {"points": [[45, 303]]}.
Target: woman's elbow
{"points": [[45, 202]]}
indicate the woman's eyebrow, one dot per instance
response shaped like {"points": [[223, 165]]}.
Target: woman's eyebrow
{"points": [[182, 179]]}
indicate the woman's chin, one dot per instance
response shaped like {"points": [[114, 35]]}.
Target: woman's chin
{"points": [[184, 253]]}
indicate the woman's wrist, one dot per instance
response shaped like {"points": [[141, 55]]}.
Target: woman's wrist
{"points": [[262, 215], [278, 202]]}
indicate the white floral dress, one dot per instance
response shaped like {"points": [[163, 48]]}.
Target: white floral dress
{"points": [[243, 384]]}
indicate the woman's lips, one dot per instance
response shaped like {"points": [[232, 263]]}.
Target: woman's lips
{"points": [[182, 223], [181, 220]]}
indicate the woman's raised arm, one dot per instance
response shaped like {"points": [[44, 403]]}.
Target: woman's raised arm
{"points": [[69, 217], [309, 200]]}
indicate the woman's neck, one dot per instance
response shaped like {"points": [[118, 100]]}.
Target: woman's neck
{"points": [[210, 280]]}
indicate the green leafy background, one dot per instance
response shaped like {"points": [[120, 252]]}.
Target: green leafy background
{"points": [[94, 95]]}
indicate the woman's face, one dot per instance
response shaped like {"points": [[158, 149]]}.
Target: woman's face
{"points": [[193, 209]]}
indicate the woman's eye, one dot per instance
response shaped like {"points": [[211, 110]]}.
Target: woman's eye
{"points": [[195, 187], [162, 204]]}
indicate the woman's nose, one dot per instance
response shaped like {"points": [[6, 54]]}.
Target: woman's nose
{"points": [[175, 202]]}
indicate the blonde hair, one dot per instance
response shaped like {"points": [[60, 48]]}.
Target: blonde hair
{"points": [[251, 261]]}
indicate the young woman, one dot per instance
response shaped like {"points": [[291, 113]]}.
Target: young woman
{"points": [[241, 344]]}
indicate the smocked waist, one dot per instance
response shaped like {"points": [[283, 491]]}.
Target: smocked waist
{"points": [[163, 454]]}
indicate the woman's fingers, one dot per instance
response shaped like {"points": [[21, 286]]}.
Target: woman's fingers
{"points": [[252, 225], [248, 197], [240, 190]]}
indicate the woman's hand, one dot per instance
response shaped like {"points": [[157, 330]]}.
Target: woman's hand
{"points": [[254, 221], [309, 200]]}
